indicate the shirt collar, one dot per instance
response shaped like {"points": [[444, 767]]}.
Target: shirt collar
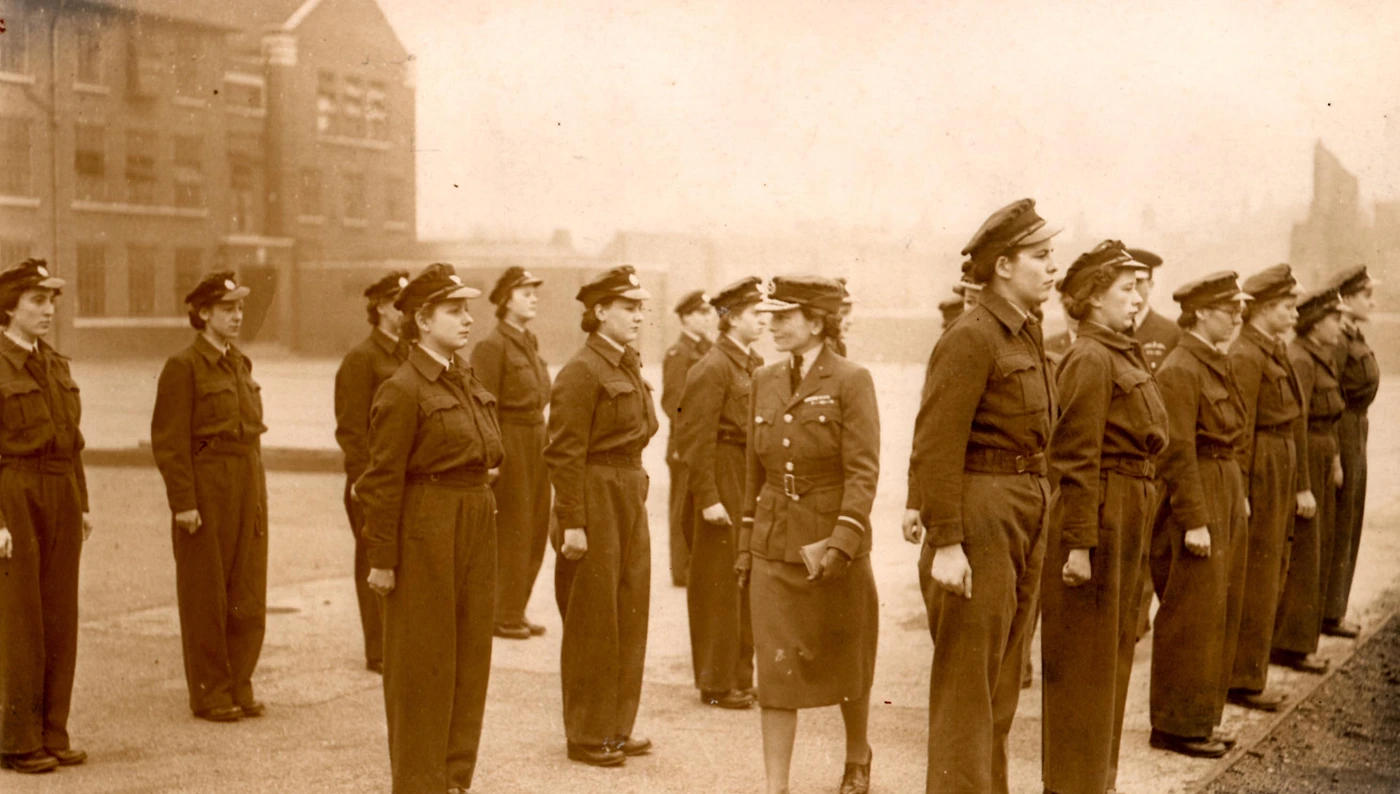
{"points": [[1269, 344], [15, 352], [445, 362], [1010, 315], [210, 351], [1207, 353], [746, 349], [694, 337], [809, 360], [519, 329], [607, 348], [1107, 336], [385, 340], [28, 347], [1141, 316]]}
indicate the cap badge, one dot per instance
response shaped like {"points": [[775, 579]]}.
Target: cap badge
{"points": [[526, 275], [403, 282], [229, 285], [43, 271], [455, 279], [631, 279], [704, 297]]}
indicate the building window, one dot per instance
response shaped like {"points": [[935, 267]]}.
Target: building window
{"points": [[92, 280], [245, 180], [244, 94], [189, 50], [311, 199], [15, 162], [377, 112], [14, 43], [189, 171], [90, 161], [395, 209], [189, 268], [143, 65], [141, 167], [355, 203], [90, 51], [352, 108], [326, 123], [12, 252], [140, 280]]}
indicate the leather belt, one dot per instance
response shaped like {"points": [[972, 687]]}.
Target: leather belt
{"points": [[734, 438], [1141, 468], [1215, 451], [215, 445], [520, 416], [1284, 429], [462, 477], [1323, 426], [990, 460], [618, 460], [795, 486], [42, 464]]}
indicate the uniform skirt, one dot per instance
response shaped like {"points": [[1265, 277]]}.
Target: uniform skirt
{"points": [[815, 642]]}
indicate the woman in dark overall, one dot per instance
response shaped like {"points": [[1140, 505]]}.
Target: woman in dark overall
{"points": [[1275, 430], [43, 524], [712, 437], [1103, 452], [508, 364], [1313, 352], [1199, 536], [430, 527], [804, 545], [601, 416], [1361, 379], [206, 433]]}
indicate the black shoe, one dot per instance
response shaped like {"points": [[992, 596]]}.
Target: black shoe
{"points": [[376, 666], [536, 630], [594, 755], [29, 763], [512, 632], [69, 757], [856, 779], [736, 699], [1187, 745], [1341, 628], [1259, 701], [1302, 662], [631, 746], [1225, 738], [221, 714], [253, 709]]}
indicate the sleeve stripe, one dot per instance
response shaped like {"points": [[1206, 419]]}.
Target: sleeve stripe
{"points": [[855, 522]]}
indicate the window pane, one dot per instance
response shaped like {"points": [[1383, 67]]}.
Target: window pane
{"points": [[92, 278], [140, 167], [189, 171], [377, 112], [15, 162], [12, 252], [89, 161], [311, 192], [144, 65], [394, 195], [188, 51], [14, 43], [90, 51], [140, 280], [355, 196], [189, 265], [326, 118], [352, 98]]}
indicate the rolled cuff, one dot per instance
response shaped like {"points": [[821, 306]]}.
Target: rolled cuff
{"points": [[943, 533]]}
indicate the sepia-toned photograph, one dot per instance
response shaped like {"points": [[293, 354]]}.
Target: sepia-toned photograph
{"points": [[661, 396]]}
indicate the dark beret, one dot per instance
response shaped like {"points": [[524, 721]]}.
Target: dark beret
{"points": [[1221, 287], [620, 282], [692, 301], [215, 288], [1272, 283], [744, 291], [1107, 256], [515, 276], [29, 274], [435, 283], [388, 287], [1146, 257], [791, 292], [1016, 224]]}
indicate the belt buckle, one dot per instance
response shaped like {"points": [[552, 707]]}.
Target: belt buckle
{"points": [[790, 487], [1021, 461]]}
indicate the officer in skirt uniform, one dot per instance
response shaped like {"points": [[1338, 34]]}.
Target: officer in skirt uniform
{"points": [[508, 363], [430, 525], [601, 416], [712, 438], [43, 524], [206, 434], [367, 365], [1103, 453]]}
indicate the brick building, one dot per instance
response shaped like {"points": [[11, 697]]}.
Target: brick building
{"points": [[144, 142]]}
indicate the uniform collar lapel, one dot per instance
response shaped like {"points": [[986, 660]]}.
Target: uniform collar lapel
{"points": [[820, 370]]}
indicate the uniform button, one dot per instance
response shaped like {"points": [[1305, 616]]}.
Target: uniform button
{"points": [[758, 420], [787, 442], [789, 466], [821, 418], [787, 417]]}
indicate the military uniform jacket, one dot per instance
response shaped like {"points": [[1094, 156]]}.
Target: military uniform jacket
{"points": [[1360, 377], [813, 459], [40, 410], [508, 364], [204, 398], [363, 369], [714, 410], [425, 421], [1319, 377], [1159, 336], [600, 408], [1272, 396], [1056, 347], [1206, 419], [1112, 414], [987, 386], [679, 359]]}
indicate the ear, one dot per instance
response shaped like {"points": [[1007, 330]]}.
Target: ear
{"points": [[206, 312], [1003, 266]]}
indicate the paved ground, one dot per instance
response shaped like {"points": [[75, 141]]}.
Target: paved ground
{"points": [[325, 731]]}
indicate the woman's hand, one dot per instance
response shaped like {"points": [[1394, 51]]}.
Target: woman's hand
{"points": [[716, 514], [952, 571], [913, 527], [87, 527], [1337, 475], [1307, 504], [575, 544], [381, 580], [1198, 541], [1078, 568], [7, 544], [833, 565], [743, 564], [188, 520]]}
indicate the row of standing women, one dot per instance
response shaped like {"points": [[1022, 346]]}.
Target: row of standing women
{"points": [[1090, 474]]}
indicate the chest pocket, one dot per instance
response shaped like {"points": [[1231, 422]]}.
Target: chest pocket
{"points": [[216, 403], [621, 406], [1218, 413], [443, 418], [1144, 398], [1020, 386], [818, 433], [1277, 387], [23, 404]]}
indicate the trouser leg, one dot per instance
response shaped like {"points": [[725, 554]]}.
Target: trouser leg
{"points": [[202, 585], [246, 574], [371, 607], [680, 524], [633, 596], [475, 609], [1272, 503], [21, 618], [61, 534]]}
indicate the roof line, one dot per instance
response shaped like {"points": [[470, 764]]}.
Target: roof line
{"points": [[300, 14]]}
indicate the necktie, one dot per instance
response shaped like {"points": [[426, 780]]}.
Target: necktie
{"points": [[38, 367], [1036, 332], [453, 375], [631, 362], [533, 340], [795, 373], [754, 362]]}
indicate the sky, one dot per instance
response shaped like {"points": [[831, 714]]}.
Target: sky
{"points": [[906, 116]]}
